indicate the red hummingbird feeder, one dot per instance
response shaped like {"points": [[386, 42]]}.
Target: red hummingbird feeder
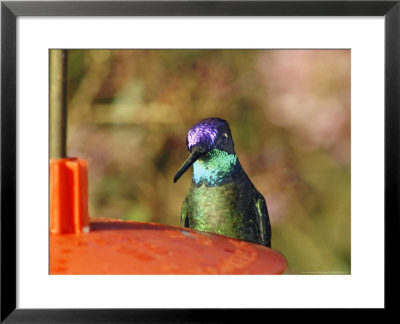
{"points": [[80, 245]]}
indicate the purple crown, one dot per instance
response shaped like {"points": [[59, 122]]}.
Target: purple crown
{"points": [[205, 132]]}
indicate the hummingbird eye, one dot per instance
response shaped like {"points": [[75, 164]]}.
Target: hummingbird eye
{"points": [[224, 138]]}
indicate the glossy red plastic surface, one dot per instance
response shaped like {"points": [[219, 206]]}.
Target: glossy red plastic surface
{"points": [[117, 247]]}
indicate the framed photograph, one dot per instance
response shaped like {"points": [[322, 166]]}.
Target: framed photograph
{"points": [[307, 91]]}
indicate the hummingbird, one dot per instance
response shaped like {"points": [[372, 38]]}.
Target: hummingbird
{"points": [[221, 198]]}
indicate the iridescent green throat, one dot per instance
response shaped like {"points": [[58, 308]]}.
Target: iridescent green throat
{"points": [[215, 168]]}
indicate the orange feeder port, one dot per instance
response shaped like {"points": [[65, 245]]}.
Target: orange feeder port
{"points": [[68, 196]]}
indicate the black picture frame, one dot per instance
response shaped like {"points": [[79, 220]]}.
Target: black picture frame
{"points": [[10, 10]]}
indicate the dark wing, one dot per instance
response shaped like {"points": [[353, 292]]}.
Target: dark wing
{"points": [[184, 215], [262, 219]]}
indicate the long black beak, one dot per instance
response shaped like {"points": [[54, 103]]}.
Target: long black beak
{"points": [[187, 164]]}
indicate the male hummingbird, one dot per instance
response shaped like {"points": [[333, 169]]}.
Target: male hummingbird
{"points": [[221, 198]]}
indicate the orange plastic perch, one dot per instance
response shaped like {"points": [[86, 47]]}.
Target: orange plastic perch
{"points": [[68, 196], [127, 247]]}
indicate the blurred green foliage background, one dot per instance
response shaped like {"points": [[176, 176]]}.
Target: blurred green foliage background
{"points": [[289, 111]]}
